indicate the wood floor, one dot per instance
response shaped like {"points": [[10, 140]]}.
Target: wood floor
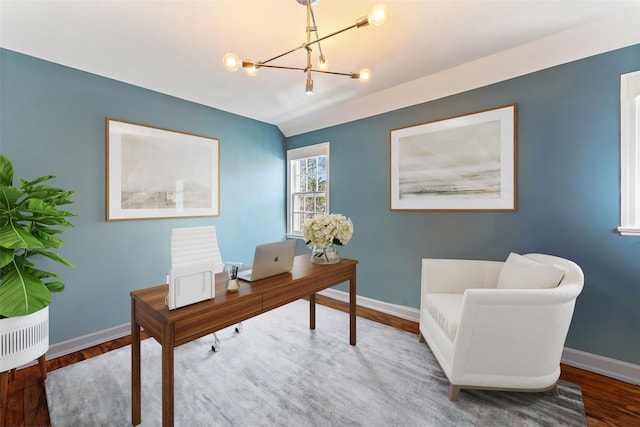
{"points": [[607, 402]]}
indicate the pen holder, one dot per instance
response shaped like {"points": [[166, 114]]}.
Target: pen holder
{"points": [[232, 285], [232, 272]]}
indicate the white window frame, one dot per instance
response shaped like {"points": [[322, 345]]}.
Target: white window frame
{"points": [[315, 150], [630, 154]]}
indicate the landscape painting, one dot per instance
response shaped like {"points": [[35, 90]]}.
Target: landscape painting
{"points": [[461, 163], [158, 173]]}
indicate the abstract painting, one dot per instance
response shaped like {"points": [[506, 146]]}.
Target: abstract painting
{"points": [[465, 162], [159, 173]]}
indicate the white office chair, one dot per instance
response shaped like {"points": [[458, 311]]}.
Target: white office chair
{"points": [[195, 260]]}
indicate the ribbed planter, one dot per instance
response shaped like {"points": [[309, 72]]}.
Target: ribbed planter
{"points": [[23, 339]]}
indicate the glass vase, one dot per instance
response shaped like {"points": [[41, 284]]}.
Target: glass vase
{"points": [[328, 255]]}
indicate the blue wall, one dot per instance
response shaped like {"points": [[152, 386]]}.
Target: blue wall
{"points": [[568, 127], [53, 122]]}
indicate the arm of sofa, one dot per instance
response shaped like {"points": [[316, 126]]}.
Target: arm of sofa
{"points": [[513, 334]]}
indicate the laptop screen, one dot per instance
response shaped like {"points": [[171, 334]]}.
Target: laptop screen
{"points": [[270, 259]]}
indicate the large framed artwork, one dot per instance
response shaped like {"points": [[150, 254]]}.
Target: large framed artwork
{"points": [[160, 173], [462, 163]]}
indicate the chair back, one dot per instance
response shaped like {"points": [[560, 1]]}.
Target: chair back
{"points": [[195, 260], [192, 245]]}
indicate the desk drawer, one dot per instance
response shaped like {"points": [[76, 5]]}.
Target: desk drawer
{"points": [[201, 323], [282, 295]]}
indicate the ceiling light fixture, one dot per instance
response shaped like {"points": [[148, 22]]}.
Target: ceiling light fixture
{"points": [[376, 17]]}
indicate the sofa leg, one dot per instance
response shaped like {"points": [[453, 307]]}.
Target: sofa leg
{"points": [[453, 392], [555, 390], [420, 337]]}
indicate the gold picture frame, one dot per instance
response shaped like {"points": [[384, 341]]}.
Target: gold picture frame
{"points": [[461, 163], [160, 173]]}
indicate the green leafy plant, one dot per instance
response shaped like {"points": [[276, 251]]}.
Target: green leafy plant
{"points": [[30, 224]]}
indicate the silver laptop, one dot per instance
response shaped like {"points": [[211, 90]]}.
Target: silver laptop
{"points": [[270, 259]]}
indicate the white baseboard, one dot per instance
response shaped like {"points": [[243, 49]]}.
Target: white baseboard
{"points": [[80, 343], [620, 370], [401, 311]]}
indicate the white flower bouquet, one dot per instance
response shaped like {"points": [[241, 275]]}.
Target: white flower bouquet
{"points": [[324, 230]]}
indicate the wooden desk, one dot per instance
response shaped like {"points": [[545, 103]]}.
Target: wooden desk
{"points": [[185, 324]]}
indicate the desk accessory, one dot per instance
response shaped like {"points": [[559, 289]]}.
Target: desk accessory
{"points": [[232, 281]]}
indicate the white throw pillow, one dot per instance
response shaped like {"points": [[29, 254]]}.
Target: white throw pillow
{"points": [[519, 272]]}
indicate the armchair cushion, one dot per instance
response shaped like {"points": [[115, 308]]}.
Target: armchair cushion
{"points": [[446, 309], [520, 272]]}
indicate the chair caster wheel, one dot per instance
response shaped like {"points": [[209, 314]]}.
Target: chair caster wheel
{"points": [[216, 343]]}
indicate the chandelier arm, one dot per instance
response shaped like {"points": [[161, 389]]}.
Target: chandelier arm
{"points": [[283, 67], [331, 35], [260, 65], [352, 75], [302, 46], [317, 41], [309, 85], [313, 19]]}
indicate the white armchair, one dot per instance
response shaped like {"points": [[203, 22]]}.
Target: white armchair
{"points": [[499, 325]]}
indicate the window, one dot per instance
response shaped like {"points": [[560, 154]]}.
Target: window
{"points": [[307, 185], [630, 154]]}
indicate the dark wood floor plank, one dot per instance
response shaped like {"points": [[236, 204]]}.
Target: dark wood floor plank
{"points": [[608, 402]]}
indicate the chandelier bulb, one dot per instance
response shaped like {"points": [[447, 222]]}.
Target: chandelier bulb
{"points": [[231, 62], [309, 88], [364, 75], [378, 15], [323, 64], [250, 68]]}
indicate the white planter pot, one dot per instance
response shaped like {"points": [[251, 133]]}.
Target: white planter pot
{"points": [[23, 339]]}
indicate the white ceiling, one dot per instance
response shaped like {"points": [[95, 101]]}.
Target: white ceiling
{"points": [[176, 47]]}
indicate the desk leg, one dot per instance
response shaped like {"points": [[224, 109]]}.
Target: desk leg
{"points": [[352, 308], [312, 311], [168, 335], [136, 415]]}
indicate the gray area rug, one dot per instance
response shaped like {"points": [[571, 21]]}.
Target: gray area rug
{"points": [[278, 372]]}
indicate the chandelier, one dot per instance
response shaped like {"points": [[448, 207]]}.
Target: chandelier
{"points": [[376, 17]]}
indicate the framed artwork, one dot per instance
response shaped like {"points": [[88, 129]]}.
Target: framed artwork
{"points": [[462, 163], [160, 173]]}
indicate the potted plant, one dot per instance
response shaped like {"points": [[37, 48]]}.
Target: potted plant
{"points": [[31, 221], [30, 224]]}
